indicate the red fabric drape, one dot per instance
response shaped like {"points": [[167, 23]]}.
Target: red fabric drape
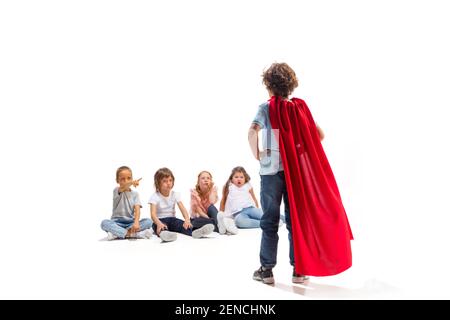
{"points": [[321, 232]]}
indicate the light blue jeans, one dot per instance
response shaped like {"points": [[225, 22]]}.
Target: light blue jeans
{"points": [[120, 226], [248, 218]]}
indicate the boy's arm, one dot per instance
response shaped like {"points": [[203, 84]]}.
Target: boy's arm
{"points": [[187, 220], [159, 225], [254, 198], [253, 139], [137, 213], [126, 187], [320, 131]]}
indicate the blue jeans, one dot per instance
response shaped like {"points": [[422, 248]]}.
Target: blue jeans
{"points": [[120, 226], [248, 218], [273, 190]]}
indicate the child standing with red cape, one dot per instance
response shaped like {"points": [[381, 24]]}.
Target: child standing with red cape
{"points": [[294, 168]]}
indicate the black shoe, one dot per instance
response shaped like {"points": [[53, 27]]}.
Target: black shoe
{"points": [[264, 275], [298, 278]]}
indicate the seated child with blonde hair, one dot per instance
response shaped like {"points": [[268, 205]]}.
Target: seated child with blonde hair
{"points": [[162, 210], [203, 198]]}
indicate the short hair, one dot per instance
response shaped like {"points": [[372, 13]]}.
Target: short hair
{"points": [[120, 169], [161, 174], [280, 79]]}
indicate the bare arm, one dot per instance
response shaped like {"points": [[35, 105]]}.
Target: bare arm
{"points": [[134, 183], [253, 139], [187, 219], [201, 213], [224, 199], [214, 197], [320, 131], [159, 225], [137, 214], [254, 198], [195, 205]]}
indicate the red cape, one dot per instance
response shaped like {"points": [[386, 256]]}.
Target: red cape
{"points": [[321, 232]]}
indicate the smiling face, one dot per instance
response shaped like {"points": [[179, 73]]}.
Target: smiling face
{"points": [[124, 178], [204, 181], [238, 179]]}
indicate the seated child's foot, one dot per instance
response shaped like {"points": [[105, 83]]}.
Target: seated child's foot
{"points": [[220, 223], [144, 234], [230, 226], [168, 236], [203, 231], [111, 236]]}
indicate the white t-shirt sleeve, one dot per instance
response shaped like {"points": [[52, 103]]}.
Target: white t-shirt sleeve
{"points": [[177, 196], [154, 199], [137, 199]]}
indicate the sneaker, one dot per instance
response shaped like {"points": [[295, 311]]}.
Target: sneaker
{"points": [[111, 236], [144, 234], [298, 278], [203, 231], [230, 226], [168, 236], [264, 275], [221, 223]]}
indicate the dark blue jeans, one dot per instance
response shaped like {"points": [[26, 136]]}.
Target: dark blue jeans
{"points": [[273, 190], [200, 222], [175, 225]]}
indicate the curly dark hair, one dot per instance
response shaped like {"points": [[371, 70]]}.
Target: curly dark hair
{"points": [[280, 79]]}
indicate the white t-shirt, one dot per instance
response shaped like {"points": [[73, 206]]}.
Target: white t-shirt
{"points": [[238, 198], [165, 206]]}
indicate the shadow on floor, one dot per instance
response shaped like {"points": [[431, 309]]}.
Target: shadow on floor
{"points": [[371, 289]]}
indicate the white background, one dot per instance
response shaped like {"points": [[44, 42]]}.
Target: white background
{"points": [[88, 86]]}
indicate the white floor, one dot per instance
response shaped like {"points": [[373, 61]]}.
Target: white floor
{"points": [[219, 267]]}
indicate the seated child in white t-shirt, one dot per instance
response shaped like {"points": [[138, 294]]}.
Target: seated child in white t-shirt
{"points": [[239, 201], [162, 210]]}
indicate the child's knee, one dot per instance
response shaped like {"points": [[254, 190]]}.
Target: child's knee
{"points": [[146, 223], [105, 223]]}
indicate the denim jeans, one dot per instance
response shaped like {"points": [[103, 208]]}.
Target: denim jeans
{"points": [[201, 221], [273, 190], [248, 218], [120, 226], [175, 225]]}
